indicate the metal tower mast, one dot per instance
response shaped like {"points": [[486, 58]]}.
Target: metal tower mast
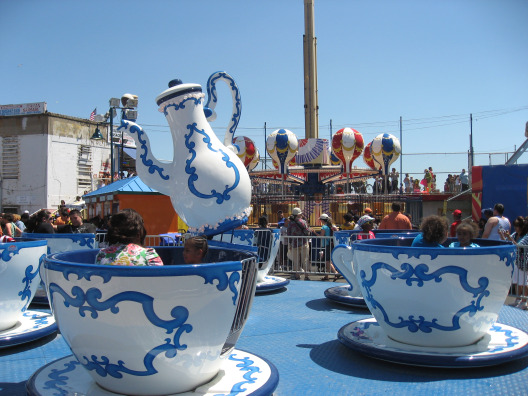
{"points": [[311, 107]]}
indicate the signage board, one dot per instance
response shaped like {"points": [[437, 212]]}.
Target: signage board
{"points": [[23, 108]]}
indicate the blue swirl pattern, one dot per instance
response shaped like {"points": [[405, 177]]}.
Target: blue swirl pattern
{"points": [[91, 297], [58, 378], [10, 252], [246, 364], [89, 302], [209, 275], [419, 275], [28, 279], [191, 171], [147, 161], [511, 340]]}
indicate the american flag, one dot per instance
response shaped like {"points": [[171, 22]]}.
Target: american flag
{"points": [[92, 114]]}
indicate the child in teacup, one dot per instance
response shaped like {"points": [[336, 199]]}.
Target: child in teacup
{"points": [[434, 232], [465, 232], [126, 236], [195, 249]]}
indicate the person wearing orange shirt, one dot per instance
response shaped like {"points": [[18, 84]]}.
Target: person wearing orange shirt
{"points": [[395, 220], [64, 217]]}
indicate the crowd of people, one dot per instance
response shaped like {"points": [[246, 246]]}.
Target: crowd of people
{"points": [[126, 236], [299, 250], [428, 183], [42, 222], [297, 242]]}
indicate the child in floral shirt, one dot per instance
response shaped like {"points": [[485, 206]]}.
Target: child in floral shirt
{"points": [[126, 235]]}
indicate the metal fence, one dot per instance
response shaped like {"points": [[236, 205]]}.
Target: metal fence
{"points": [[305, 255], [519, 288]]}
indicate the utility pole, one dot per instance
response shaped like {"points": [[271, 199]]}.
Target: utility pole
{"points": [[401, 158], [471, 154], [265, 148]]}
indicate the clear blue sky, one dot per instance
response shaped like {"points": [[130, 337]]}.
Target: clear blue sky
{"points": [[430, 62]]}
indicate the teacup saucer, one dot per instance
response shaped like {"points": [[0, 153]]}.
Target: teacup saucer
{"points": [[271, 283], [243, 373], [502, 344], [342, 295], [32, 326]]}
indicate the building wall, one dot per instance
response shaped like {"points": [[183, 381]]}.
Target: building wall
{"points": [[48, 160], [437, 208], [157, 212], [29, 188]]}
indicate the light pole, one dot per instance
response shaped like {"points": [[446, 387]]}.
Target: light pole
{"points": [[129, 104]]}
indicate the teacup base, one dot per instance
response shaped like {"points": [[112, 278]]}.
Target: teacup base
{"points": [[502, 344], [342, 295], [271, 283], [32, 326], [67, 376]]}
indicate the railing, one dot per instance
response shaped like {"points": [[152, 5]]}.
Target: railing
{"points": [[307, 255], [100, 240], [162, 240], [520, 277], [265, 240]]}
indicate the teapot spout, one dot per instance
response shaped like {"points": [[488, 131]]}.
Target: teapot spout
{"points": [[152, 171]]}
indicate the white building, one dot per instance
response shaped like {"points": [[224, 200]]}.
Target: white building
{"points": [[47, 157]]}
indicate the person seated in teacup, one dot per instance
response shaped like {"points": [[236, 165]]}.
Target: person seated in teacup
{"points": [[465, 232], [434, 232], [365, 224], [126, 236], [195, 249]]}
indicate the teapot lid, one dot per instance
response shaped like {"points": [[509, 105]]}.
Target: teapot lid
{"points": [[177, 88]]}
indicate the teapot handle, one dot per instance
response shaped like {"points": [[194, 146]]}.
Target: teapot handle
{"points": [[212, 99]]}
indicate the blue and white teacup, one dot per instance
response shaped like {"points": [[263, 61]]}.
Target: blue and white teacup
{"points": [[65, 242], [61, 243], [19, 277], [151, 330], [342, 257], [267, 242], [433, 297], [346, 237]]}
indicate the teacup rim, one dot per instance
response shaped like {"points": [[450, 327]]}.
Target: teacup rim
{"points": [[23, 242], [57, 235], [53, 263], [374, 245]]}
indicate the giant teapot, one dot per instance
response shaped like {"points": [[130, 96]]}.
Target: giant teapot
{"points": [[207, 183]]}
